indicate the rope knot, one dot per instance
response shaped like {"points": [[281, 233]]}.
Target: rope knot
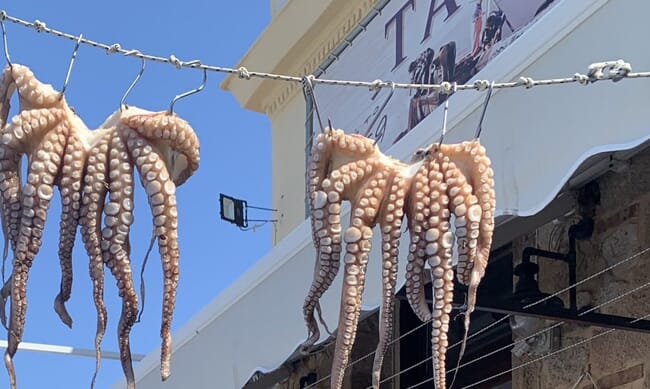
{"points": [[620, 70], [3, 14], [243, 73], [612, 70], [527, 82], [376, 85], [39, 26], [114, 48], [581, 78], [175, 61], [481, 85], [448, 88], [132, 53]]}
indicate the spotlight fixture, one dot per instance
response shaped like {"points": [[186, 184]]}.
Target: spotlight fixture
{"points": [[235, 211]]}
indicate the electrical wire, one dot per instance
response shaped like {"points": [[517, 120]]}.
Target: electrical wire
{"points": [[506, 317], [584, 341], [522, 340], [607, 70]]}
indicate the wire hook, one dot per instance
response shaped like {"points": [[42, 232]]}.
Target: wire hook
{"points": [[189, 93], [308, 92], [128, 91], [485, 105], [72, 58], [4, 39], [454, 88]]}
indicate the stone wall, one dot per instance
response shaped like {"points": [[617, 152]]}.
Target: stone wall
{"points": [[357, 375], [622, 229]]}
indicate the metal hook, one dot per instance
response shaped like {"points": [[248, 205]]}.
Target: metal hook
{"points": [[67, 75], [128, 91], [193, 91], [381, 109], [485, 105], [308, 92], [4, 42], [454, 88]]}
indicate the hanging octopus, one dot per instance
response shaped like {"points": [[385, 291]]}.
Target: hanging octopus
{"points": [[441, 181], [164, 149], [62, 152], [452, 180], [351, 168]]}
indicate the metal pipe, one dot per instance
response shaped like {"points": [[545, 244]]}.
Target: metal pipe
{"points": [[68, 350]]}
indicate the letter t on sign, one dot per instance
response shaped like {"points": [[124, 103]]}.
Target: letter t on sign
{"points": [[398, 20], [433, 10]]}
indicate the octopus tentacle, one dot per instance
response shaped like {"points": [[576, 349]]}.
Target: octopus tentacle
{"points": [[32, 93], [118, 217], [474, 202], [92, 204], [9, 180], [391, 224], [70, 187], [366, 201], [318, 209], [9, 192], [160, 190], [173, 133], [325, 209], [36, 194], [357, 238], [418, 215], [438, 252], [327, 224], [325, 267], [471, 159]]}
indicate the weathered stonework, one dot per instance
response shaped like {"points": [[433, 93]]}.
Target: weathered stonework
{"points": [[622, 229]]}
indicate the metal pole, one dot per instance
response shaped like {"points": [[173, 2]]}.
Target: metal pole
{"points": [[68, 350]]}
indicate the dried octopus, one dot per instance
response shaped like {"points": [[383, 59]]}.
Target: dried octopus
{"points": [[351, 167], [86, 166], [451, 179]]}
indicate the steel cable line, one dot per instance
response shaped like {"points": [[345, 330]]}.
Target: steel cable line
{"points": [[491, 325]]}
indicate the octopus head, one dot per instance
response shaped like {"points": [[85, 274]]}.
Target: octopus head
{"points": [[172, 136]]}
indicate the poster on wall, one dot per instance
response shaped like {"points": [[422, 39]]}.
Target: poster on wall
{"points": [[419, 41]]}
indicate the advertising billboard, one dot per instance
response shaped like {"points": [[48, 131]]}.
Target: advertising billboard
{"points": [[418, 41]]}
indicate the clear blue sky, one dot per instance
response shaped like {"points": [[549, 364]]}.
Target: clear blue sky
{"points": [[235, 159]]}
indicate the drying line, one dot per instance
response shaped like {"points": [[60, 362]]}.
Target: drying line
{"points": [[599, 71], [522, 340], [584, 341]]}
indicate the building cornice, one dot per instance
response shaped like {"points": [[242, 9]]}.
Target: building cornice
{"points": [[296, 42]]}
